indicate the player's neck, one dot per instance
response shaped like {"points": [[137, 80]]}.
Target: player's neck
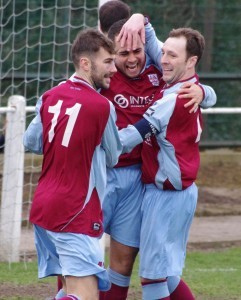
{"points": [[86, 78]]}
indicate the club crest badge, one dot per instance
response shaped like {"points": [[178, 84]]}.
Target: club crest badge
{"points": [[154, 79]]}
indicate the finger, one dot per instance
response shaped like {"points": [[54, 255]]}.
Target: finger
{"points": [[129, 41], [185, 96], [123, 37], [134, 41], [143, 35], [186, 85], [183, 91], [120, 35], [194, 108], [189, 103]]}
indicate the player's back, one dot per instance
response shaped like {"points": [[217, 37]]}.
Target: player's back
{"points": [[74, 117]]}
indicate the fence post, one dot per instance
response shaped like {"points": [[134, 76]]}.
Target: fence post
{"points": [[12, 184]]}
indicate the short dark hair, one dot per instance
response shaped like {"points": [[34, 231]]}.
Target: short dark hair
{"points": [[111, 12], [89, 42], [115, 29], [195, 41]]}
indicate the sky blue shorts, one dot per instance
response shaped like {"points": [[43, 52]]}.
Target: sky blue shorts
{"points": [[167, 217], [70, 254], [122, 205]]}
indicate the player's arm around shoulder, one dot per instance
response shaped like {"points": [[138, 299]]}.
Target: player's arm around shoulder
{"points": [[110, 141], [210, 97], [198, 94], [155, 119], [33, 136], [130, 137]]}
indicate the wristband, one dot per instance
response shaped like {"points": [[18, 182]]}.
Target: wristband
{"points": [[145, 128]]}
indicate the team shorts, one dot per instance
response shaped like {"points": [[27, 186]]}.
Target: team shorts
{"points": [[122, 205], [63, 253], [166, 221]]}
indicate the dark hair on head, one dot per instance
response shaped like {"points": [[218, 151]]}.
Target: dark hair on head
{"points": [[115, 29], [111, 12], [89, 42], [195, 41]]}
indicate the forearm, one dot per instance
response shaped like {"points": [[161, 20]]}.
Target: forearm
{"points": [[110, 141], [135, 134], [33, 136], [210, 97], [153, 46]]}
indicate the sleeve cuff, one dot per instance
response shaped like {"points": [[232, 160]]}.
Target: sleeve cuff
{"points": [[146, 20]]}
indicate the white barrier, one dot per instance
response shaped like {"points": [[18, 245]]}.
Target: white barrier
{"points": [[12, 183]]}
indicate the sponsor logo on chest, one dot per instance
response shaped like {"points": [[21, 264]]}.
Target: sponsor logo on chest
{"points": [[132, 101]]}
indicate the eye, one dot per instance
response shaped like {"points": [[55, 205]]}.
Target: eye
{"points": [[137, 51], [123, 53]]}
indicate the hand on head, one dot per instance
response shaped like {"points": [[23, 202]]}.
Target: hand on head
{"points": [[130, 31]]}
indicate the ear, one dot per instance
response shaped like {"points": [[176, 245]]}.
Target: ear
{"points": [[99, 26], [85, 63], [192, 61]]}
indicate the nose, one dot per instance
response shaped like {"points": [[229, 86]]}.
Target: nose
{"points": [[113, 68], [164, 59], [131, 56]]}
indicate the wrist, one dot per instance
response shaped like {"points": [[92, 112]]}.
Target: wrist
{"points": [[146, 20], [203, 91]]}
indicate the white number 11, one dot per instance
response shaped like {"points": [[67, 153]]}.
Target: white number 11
{"points": [[73, 114]]}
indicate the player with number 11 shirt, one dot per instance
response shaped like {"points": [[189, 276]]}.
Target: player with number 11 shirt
{"points": [[75, 131], [72, 133]]}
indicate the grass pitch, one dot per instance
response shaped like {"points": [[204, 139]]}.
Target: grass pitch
{"points": [[212, 275]]}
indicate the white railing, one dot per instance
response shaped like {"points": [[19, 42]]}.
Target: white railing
{"points": [[222, 110], [12, 179], [13, 172]]}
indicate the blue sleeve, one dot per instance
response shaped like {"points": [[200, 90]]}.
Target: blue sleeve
{"points": [[133, 135], [33, 136], [160, 112], [129, 137], [110, 141], [210, 97], [153, 46]]}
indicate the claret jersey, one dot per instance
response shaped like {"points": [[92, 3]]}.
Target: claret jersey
{"points": [[131, 98], [171, 159], [78, 142]]}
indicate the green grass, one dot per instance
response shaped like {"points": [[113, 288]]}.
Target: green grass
{"points": [[210, 275], [21, 273], [214, 275]]}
